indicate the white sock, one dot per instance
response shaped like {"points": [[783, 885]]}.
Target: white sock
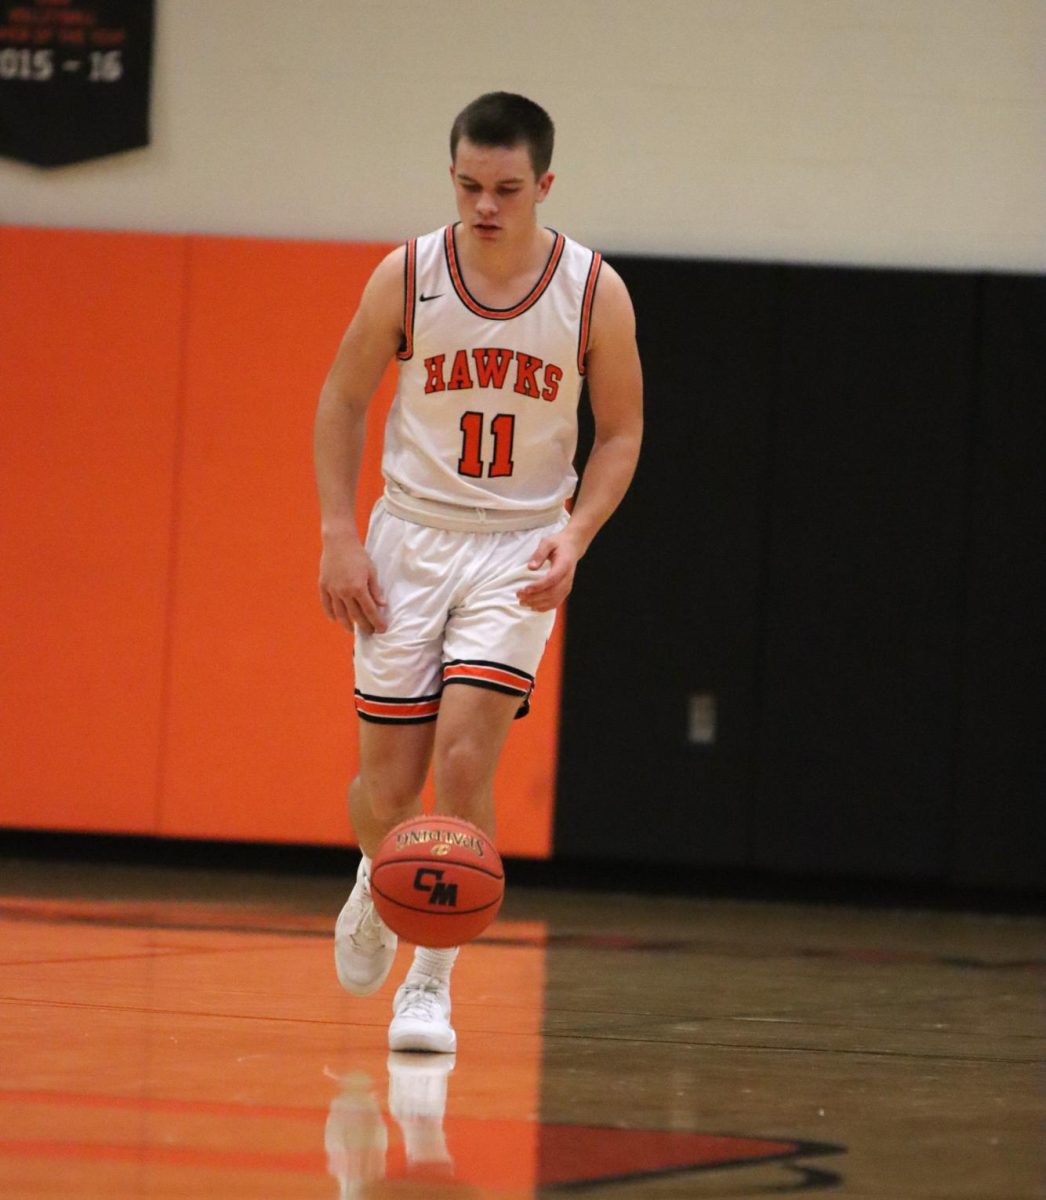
{"points": [[435, 963]]}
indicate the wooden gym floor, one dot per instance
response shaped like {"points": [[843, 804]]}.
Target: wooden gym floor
{"points": [[172, 1033]]}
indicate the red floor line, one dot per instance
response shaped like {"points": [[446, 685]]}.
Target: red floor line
{"points": [[194, 1013], [304, 1162], [159, 952], [158, 1104]]}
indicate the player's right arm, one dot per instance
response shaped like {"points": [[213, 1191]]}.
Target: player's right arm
{"points": [[349, 588]]}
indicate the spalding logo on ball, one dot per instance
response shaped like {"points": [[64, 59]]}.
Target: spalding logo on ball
{"points": [[437, 881]]}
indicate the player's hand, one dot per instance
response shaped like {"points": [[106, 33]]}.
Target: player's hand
{"points": [[349, 588], [561, 553]]}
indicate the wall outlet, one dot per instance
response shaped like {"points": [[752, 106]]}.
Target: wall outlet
{"points": [[701, 719]]}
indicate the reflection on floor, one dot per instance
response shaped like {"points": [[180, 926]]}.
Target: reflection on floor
{"points": [[181, 1034]]}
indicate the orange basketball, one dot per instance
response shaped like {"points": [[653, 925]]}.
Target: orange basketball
{"points": [[437, 881]]}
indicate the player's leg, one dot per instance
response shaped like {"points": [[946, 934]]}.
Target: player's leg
{"points": [[470, 735], [493, 647], [394, 760], [397, 699]]}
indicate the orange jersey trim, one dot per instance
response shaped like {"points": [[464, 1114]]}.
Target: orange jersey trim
{"points": [[490, 674], [373, 709], [500, 314], [409, 288], [586, 310]]}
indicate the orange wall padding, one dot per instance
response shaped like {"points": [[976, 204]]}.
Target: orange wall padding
{"points": [[167, 667]]}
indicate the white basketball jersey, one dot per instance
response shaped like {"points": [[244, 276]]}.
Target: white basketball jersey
{"points": [[485, 414]]}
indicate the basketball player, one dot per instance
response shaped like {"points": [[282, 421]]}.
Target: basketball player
{"points": [[495, 321]]}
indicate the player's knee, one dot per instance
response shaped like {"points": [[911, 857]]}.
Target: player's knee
{"points": [[463, 770], [392, 807]]}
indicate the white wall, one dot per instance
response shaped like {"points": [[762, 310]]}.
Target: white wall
{"points": [[863, 131]]}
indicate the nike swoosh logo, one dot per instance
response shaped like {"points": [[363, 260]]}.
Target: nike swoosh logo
{"points": [[423, 297]]}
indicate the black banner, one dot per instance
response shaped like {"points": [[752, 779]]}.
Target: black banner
{"points": [[74, 78]]}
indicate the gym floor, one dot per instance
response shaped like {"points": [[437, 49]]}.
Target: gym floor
{"points": [[180, 1033]]}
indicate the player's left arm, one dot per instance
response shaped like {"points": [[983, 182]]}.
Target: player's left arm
{"points": [[615, 392]]}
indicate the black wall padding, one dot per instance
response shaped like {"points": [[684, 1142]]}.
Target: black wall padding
{"points": [[836, 532], [1000, 824], [865, 573], [667, 602]]}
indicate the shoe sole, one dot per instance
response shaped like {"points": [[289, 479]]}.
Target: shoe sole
{"points": [[422, 1041]]}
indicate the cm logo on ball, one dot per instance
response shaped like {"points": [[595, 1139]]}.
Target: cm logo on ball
{"points": [[440, 893]]}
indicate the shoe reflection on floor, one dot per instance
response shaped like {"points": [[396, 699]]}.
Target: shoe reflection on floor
{"points": [[356, 1136]]}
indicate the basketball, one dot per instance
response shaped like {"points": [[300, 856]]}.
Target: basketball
{"points": [[437, 881]]}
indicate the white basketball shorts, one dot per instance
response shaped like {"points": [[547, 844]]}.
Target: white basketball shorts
{"points": [[453, 617]]}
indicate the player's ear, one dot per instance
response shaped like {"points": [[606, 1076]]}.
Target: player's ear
{"points": [[544, 185]]}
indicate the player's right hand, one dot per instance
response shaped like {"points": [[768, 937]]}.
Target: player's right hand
{"points": [[349, 588]]}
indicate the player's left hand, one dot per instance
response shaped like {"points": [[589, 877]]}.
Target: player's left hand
{"points": [[561, 553]]}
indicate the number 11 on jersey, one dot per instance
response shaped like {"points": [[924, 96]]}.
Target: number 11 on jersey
{"points": [[502, 428]]}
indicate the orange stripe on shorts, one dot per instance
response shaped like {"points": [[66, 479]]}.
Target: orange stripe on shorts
{"points": [[504, 678], [397, 710]]}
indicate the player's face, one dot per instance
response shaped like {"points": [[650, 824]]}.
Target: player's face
{"points": [[497, 191]]}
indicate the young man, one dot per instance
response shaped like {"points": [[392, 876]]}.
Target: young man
{"points": [[495, 321]]}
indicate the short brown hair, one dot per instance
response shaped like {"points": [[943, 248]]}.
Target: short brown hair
{"points": [[506, 119]]}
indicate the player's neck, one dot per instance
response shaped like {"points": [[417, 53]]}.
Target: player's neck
{"points": [[510, 264]]}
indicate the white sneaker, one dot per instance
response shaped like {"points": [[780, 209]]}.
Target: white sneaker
{"points": [[364, 946], [421, 1017]]}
